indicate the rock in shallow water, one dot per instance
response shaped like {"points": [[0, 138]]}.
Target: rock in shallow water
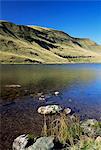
{"points": [[56, 93], [13, 86], [49, 109], [67, 111], [42, 98]]}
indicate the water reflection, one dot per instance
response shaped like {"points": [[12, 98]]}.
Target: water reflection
{"points": [[45, 77], [41, 78]]}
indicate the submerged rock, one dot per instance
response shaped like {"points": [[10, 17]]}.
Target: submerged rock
{"points": [[70, 100], [13, 86], [49, 109], [40, 93], [42, 98]]}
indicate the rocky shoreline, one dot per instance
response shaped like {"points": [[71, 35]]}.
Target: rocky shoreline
{"points": [[90, 140], [59, 126], [70, 133]]}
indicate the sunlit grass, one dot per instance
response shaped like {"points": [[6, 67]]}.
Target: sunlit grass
{"points": [[67, 129]]}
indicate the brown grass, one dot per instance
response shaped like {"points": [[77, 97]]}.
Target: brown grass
{"points": [[67, 129]]}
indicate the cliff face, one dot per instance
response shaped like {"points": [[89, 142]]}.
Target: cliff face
{"points": [[32, 44]]}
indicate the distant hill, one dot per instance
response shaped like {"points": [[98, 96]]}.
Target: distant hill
{"points": [[33, 44]]}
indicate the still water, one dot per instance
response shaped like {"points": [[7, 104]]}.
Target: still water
{"points": [[79, 87]]}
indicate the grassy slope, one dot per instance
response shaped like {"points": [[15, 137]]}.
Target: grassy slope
{"points": [[23, 44]]}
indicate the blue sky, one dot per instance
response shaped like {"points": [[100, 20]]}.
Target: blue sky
{"points": [[77, 18]]}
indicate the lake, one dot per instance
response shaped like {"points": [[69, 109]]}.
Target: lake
{"points": [[79, 87]]}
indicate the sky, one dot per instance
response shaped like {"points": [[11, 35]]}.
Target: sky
{"points": [[77, 18]]}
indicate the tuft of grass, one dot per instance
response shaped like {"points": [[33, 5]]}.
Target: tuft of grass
{"points": [[87, 144], [63, 127], [68, 130]]}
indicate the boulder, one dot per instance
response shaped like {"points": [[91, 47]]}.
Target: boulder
{"points": [[49, 109], [43, 143], [20, 142]]}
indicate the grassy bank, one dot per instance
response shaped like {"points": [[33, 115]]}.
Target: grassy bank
{"points": [[31, 45]]}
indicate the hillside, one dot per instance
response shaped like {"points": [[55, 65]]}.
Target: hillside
{"points": [[33, 44]]}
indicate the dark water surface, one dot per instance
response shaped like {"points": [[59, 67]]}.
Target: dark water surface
{"points": [[79, 86]]}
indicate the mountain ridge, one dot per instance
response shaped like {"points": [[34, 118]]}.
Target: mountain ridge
{"points": [[35, 44]]}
